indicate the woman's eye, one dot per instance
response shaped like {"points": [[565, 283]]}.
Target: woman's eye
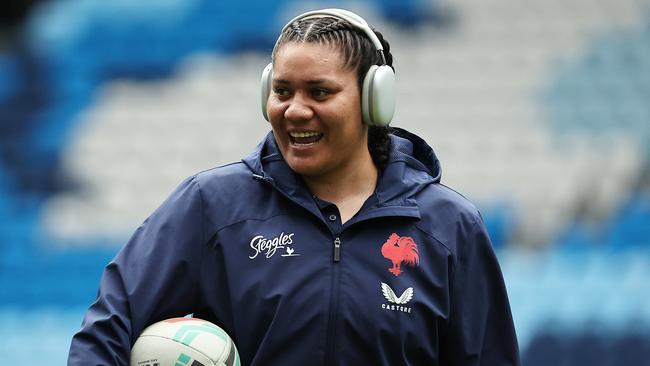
{"points": [[282, 92], [320, 93]]}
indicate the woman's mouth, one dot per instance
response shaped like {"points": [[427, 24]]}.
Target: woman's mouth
{"points": [[304, 138]]}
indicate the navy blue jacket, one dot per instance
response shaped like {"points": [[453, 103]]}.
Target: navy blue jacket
{"points": [[411, 279]]}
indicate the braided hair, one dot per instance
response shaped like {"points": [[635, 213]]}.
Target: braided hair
{"points": [[358, 53]]}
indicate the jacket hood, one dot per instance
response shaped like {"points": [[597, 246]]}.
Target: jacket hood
{"points": [[412, 165], [415, 151]]}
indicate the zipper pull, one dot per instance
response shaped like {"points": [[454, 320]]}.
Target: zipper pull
{"points": [[337, 249]]}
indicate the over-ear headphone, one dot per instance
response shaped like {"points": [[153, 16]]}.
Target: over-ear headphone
{"points": [[378, 92]]}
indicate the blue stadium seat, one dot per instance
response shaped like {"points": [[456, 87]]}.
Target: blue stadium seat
{"points": [[632, 225], [10, 78]]}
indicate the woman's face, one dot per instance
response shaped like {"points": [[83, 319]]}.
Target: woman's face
{"points": [[315, 111]]}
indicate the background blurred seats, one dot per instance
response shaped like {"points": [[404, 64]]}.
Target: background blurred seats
{"points": [[538, 111]]}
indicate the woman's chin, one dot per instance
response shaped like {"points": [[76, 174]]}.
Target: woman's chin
{"points": [[306, 167]]}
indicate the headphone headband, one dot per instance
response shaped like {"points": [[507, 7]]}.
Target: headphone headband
{"points": [[350, 17]]}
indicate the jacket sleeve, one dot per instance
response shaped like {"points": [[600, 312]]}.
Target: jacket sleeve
{"points": [[481, 330], [152, 278]]}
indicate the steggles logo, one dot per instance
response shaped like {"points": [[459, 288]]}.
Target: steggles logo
{"points": [[270, 246]]}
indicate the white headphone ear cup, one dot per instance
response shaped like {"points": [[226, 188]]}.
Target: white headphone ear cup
{"points": [[378, 96], [267, 77], [366, 91]]}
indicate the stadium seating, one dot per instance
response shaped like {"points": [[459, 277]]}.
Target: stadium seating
{"points": [[538, 111]]}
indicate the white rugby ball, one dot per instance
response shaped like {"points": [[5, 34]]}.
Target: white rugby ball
{"points": [[184, 342]]}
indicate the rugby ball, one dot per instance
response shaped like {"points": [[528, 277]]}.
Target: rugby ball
{"points": [[184, 342]]}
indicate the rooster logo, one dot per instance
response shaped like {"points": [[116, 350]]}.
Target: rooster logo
{"points": [[400, 249]]}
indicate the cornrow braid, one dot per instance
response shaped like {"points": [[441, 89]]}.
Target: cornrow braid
{"points": [[332, 31], [337, 25], [296, 31], [358, 53]]}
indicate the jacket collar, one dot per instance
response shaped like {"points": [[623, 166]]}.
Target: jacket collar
{"points": [[267, 165], [412, 166]]}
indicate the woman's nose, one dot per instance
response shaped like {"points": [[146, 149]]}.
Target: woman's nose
{"points": [[298, 109]]}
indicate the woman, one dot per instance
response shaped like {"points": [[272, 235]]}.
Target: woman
{"points": [[332, 244]]}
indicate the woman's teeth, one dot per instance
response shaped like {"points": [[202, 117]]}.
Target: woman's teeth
{"points": [[303, 134], [305, 138]]}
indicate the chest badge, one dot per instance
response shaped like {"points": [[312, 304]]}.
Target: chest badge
{"points": [[269, 246], [396, 303], [400, 250], [389, 294]]}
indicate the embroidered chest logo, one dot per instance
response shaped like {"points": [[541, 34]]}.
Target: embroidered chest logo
{"points": [[400, 250], [268, 247], [396, 303]]}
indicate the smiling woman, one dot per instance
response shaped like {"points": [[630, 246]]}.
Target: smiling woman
{"points": [[356, 212], [321, 68], [315, 112]]}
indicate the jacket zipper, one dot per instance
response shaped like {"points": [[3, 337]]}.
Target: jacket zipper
{"points": [[337, 249], [334, 305]]}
